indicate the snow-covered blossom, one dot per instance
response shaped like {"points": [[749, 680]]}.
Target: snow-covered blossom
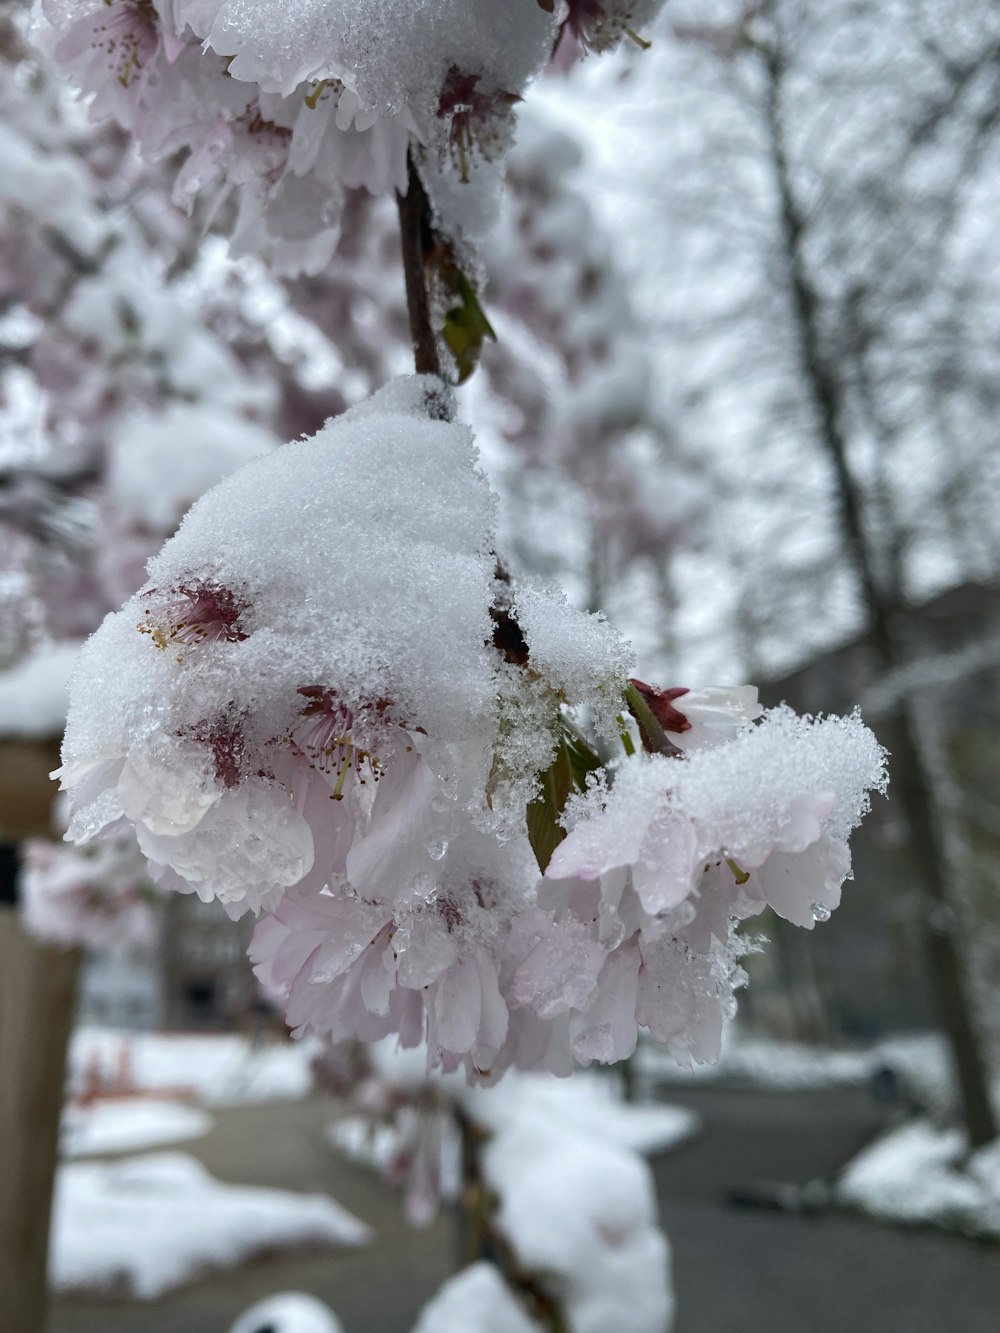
{"points": [[326, 704], [271, 714], [600, 24], [681, 848], [291, 106]]}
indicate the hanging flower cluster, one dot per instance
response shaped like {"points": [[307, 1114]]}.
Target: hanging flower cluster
{"points": [[288, 106], [328, 704]]}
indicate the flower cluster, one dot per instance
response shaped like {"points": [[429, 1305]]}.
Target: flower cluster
{"points": [[327, 705], [290, 106]]}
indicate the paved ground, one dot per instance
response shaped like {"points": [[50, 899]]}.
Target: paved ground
{"points": [[374, 1289], [736, 1270], [753, 1271]]}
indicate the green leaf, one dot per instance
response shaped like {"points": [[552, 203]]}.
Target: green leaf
{"points": [[574, 759], [466, 328]]}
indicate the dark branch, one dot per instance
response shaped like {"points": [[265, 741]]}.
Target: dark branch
{"points": [[417, 240]]}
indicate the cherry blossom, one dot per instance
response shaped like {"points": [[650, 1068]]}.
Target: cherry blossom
{"points": [[99, 895], [337, 713]]}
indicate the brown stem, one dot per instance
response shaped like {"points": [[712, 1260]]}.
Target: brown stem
{"points": [[417, 241], [482, 1238]]}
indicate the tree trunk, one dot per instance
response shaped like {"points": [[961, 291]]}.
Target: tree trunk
{"points": [[37, 992], [911, 777]]}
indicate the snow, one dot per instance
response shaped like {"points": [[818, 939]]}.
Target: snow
{"points": [[144, 1225], [122, 1125], [34, 694], [575, 1200], [576, 653], [583, 1213], [476, 1298], [214, 1069], [288, 1312], [918, 1062], [918, 1175], [390, 56], [161, 463], [586, 1104], [761, 1063]]}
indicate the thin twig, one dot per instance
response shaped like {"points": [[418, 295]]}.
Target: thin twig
{"points": [[417, 240]]}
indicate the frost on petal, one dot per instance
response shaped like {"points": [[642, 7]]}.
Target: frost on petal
{"points": [[770, 783], [166, 787], [804, 888], [387, 858], [609, 833], [682, 1000], [605, 1029], [423, 952], [457, 1009], [250, 846], [663, 871], [560, 967]]}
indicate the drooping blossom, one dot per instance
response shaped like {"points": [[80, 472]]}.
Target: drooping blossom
{"points": [[681, 848], [325, 705], [599, 25], [291, 107]]}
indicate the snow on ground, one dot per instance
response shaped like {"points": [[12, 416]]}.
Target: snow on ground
{"points": [[583, 1211], [587, 1104], [216, 1069], [124, 1125], [477, 1299], [918, 1175], [913, 1070], [288, 1312], [142, 1225], [782, 1065]]}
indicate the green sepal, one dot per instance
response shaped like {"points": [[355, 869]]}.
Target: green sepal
{"points": [[574, 760], [466, 328]]}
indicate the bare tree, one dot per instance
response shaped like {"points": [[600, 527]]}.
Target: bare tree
{"points": [[822, 210]]}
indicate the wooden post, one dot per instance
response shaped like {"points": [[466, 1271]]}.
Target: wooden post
{"points": [[37, 993], [37, 996]]}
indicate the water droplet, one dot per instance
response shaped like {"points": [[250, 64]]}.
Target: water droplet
{"points": [[437, 848], [684, 913], [820, 912], [424, 887]]}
